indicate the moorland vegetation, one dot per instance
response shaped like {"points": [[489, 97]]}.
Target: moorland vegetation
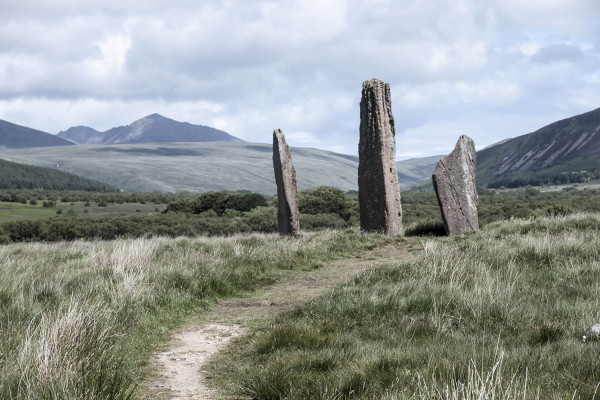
{"points": [[85, 215], [79, 320], [500, 314], [495, 315]]}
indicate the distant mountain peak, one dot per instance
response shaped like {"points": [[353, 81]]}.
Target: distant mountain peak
{"points": [[155, 116], [17, 136], [151, 128]]}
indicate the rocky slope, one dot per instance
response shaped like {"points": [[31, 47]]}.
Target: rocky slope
{"points": [[571, 145]]}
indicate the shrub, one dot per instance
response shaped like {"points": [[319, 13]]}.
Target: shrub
{"points": [[327, 200], [218, 202], [558, 210]]}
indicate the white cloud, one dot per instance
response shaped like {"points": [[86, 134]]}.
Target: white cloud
{"points": [[491, 69]]}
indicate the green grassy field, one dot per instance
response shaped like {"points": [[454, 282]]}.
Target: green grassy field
{"points": [[111, 210], [18, 211]]}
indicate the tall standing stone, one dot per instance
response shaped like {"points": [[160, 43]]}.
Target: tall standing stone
{"points": [[378, 191], [454, 183], [285, 177]]}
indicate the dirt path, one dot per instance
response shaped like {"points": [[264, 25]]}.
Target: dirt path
{"points": [[181, 373]]}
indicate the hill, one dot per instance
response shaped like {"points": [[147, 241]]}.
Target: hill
{"points": [[562, 152], [415, 170], [82, 134], [170, 167], [15, 136], [153, 128], [20, 176]]}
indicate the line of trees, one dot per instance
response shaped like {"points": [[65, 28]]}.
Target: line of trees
{"points": [[559, 178], [21, 176]]}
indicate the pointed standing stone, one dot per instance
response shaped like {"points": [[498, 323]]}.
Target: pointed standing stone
{"points": [[285, 177], [454, 183], [378, 191]]}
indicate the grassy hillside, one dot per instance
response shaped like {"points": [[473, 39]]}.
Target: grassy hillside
{"points": [[21, 176], [170, 167], [416, 170]]}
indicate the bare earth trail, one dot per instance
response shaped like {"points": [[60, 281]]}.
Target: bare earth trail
{"points": [[180, 366]]}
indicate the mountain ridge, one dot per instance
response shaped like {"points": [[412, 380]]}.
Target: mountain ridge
{"points": [[15, 136], [568, 145], [151, 128]]}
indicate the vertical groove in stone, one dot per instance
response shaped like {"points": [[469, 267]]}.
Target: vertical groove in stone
{"points": [[454, 184], [285, 178], [378, 191]]}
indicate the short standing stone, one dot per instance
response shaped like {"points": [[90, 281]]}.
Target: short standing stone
{"points": [[378, 191], [285, 177], [454, 183]]}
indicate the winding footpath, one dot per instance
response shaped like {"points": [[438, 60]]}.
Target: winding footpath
{"points": [[180, 366]]}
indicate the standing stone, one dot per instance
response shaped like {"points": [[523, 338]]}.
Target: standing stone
{"points": [[285, 177], [378, 191], [454, 183]]}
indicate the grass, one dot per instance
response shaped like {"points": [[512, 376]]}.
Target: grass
{"points": [[18, 211], [79, 320], [500, 314], [111, 210]]}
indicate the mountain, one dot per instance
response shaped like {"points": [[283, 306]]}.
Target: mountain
{"points": [[416, 170], [82, 134], [153, 128], [15, 136], [557, 153], [21, 176]]}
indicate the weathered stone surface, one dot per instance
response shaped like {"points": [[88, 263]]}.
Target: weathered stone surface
{"points": [[454, 183], [378, 191], [285, 177]]}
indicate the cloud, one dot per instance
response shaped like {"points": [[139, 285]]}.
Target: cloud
{"points": [[557, 52], [494, 69]]}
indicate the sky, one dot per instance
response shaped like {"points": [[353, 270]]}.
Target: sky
{"points": [[490, 69]]}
